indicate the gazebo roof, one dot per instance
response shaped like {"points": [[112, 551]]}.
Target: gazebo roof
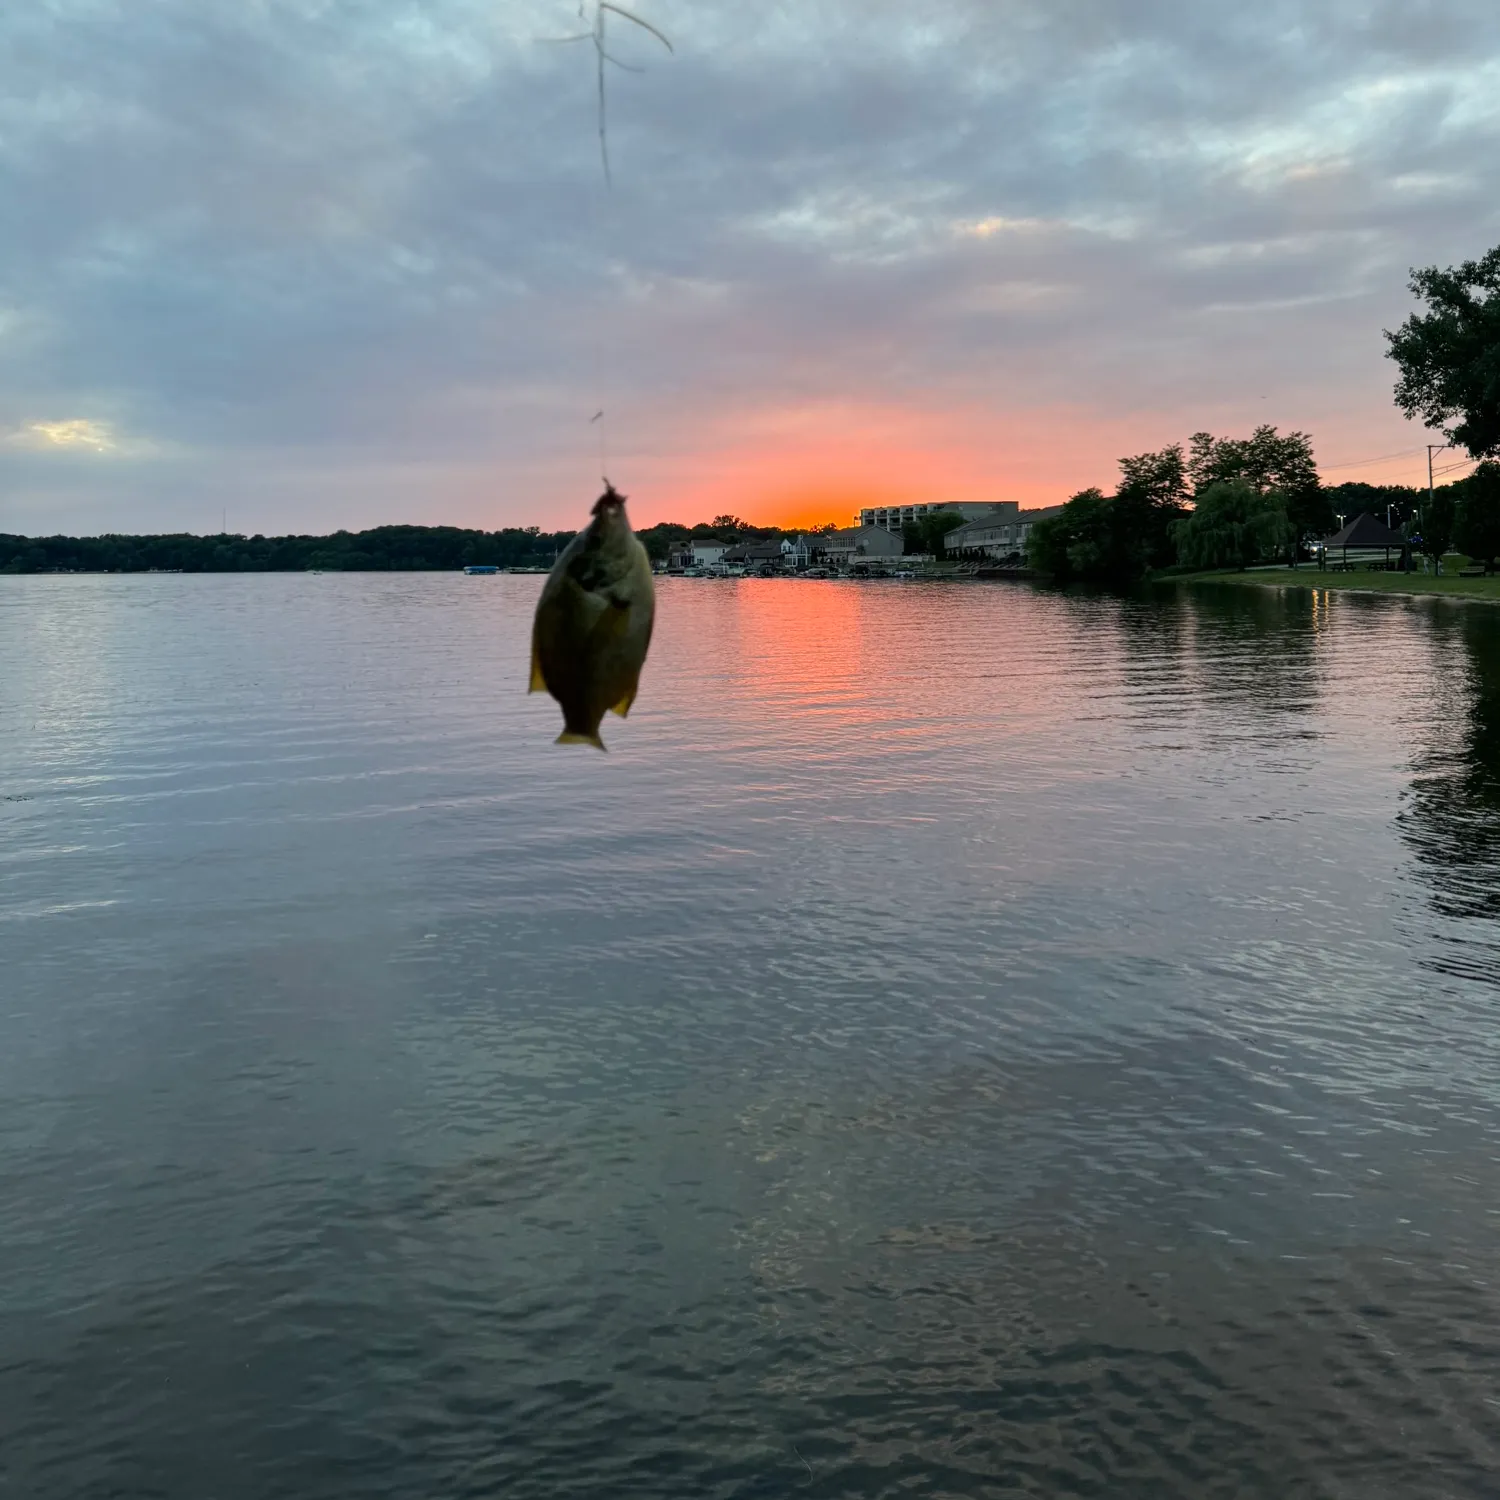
{"points": [[1365, 531]]}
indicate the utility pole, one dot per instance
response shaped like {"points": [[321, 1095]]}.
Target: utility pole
{"points": [[1431, 449], [1437, 562]]}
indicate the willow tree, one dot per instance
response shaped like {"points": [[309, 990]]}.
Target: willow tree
{"points": [[1233, 525]]}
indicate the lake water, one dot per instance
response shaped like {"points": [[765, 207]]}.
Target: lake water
{"points": [[960, 1041]]}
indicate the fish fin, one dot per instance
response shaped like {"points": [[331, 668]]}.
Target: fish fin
{"points": [[538, 682], [623, 706], [567, 737]]}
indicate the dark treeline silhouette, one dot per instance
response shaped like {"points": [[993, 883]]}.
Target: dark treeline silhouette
{"points": [[1231, 502], [1400, 502], [380, 549]]}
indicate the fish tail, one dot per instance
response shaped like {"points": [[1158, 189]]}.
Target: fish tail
{"points": [[571, 737]]}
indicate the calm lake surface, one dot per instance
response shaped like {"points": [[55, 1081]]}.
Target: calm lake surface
{"points": [[961, 1041]]}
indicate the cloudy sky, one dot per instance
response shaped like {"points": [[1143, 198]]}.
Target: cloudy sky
{"points": [[320, 263]]}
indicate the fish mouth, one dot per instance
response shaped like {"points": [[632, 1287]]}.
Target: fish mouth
{"points": [[610, 500]]}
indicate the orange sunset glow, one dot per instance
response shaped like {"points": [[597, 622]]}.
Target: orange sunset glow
{"points": [[819, 464]]}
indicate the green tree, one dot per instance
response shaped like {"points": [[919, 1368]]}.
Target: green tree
{"points": [[1233, 525], [1476, 521], [1266, 460], [1115, 539], [1160, 477], [1091, 536], [1449, 356], [1149, 500], [1437, 526], [1070, 544], [1047, 545], [659, 540], [931, 529], [727, 528]]}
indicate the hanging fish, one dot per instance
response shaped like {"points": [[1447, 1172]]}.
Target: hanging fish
{"points": [[593, 623]]}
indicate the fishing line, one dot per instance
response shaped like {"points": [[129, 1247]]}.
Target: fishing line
{"points": [[603, 447], [596, 34], [595, 336]]}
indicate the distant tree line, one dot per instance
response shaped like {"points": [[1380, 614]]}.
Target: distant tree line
{"points": [[379, 549], [382, 549]]}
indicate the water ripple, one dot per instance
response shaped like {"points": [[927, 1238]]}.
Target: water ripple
{"points": [[960, 1041]]}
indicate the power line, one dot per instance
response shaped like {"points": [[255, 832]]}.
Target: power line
{"points": [[1360, 463]]}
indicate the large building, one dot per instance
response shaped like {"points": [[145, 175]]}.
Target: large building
{"points": [[857, 544], [1002, 534], [894, 517]]}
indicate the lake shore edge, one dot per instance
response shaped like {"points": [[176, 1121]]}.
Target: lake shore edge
{"points": [[1408, 585]]}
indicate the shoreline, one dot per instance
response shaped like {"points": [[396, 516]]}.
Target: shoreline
{"points": [[1383, 585]]}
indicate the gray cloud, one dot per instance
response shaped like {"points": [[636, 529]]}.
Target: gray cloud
{"points": [[335, 262]]}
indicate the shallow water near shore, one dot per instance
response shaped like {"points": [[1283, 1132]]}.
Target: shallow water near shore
{"points": [[960, 1041]]}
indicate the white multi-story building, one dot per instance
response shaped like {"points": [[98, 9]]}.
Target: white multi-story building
{"points": [[894, 517]]}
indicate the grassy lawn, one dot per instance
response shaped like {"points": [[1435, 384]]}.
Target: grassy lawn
{"points": [[1448, 586]]}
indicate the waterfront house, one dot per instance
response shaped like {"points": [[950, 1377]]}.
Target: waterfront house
{"points": [[756, 555], [1000, 535], [802, 552], [858, 544], [708, 552]]}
